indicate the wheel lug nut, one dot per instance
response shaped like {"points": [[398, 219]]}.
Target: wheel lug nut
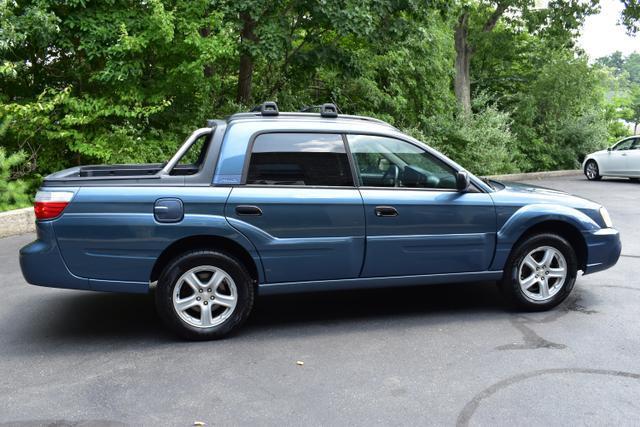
{"points": [[198, 299], [200, 290], [206, 302], [209, 290], [211, 298]]}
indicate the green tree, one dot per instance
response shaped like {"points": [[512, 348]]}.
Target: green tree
{"points": [[559, 21], [627, 73], [631, 15]]}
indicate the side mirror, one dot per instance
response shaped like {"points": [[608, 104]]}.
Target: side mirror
{"points": [[462, 181]]}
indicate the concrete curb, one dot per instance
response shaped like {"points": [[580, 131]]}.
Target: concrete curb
{"points": [[18, 221], [534, 175]]}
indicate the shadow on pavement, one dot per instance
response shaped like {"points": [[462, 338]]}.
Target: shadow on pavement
{"points": [[88, 318]]}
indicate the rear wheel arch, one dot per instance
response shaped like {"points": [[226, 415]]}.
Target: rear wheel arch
{"points": [[563, 229], [205, 242]]}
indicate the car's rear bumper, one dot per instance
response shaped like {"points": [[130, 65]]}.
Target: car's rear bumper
{"points": [[603, 249], [42, 265]]}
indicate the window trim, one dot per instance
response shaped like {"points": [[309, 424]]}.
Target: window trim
{"points": [[249, 154]]}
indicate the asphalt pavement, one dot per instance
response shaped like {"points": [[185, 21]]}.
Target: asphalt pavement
{"points": [[434, 355]]}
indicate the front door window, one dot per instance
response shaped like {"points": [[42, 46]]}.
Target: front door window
{"points": [[390, 162]]}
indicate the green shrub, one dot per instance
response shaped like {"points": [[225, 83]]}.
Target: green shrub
{"points": [[482, 142], [14, 193]]}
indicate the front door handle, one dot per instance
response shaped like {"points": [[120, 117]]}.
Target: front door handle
{"points": [[248, 210], [386, 211]]}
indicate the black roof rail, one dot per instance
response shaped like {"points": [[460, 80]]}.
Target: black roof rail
{"points": [[268, 108], [309, 108], [326, 110], [329, 110]]}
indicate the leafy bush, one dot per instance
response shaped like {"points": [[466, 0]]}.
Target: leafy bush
{"points": [[14, 193], [483, 142]]}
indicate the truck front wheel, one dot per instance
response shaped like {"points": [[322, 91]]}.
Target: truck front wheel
{"points": [[540, 272], [204, 295]]}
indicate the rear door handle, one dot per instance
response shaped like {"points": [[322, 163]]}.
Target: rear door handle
{"points": [[386, 211], [248, 210]]}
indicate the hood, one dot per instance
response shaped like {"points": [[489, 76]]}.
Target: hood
{"points": [[598, 152], [518, 194]]}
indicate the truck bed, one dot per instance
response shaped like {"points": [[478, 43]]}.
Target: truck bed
{"points": [[132, 174]]}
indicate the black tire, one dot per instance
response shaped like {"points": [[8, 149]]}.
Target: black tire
{"points": [[597, 176], [510, 284], [169, 279]]}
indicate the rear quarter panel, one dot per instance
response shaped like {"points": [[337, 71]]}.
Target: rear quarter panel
{"points": [[110, 233]]}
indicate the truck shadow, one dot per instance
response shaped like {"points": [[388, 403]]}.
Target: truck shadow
{"points": [[375, 304], [66, 318]]}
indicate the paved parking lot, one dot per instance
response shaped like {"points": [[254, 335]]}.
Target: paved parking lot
{"points": [[437, 355]]}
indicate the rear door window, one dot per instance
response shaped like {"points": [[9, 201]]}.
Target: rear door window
{"points": [[300, 159]]}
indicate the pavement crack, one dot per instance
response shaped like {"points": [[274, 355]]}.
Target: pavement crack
{"points": [[470, 408], [631, 288], [532, 341]]}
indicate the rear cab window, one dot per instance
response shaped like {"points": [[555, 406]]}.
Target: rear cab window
{"points": [[299, 159]]}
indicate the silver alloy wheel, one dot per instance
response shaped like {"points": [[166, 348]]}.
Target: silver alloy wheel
{"points": [[205, 296], [542, 273], [592, 170]]}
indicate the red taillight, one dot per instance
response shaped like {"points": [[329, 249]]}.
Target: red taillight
{"points": [[48, 210], [50, 204]]}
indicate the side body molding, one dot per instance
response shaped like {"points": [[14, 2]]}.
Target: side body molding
{"points": [[528, 216]]}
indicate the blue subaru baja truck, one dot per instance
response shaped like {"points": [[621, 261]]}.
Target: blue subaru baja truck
{"points": [[270, 202]]}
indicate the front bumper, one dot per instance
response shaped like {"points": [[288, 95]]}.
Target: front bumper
{"points": [[603, 249]]}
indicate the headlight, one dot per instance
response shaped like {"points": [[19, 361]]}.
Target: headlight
{"points": [[605, 217]]}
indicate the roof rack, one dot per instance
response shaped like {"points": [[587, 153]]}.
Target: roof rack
{"points": [[328, 110], [268, 108]]}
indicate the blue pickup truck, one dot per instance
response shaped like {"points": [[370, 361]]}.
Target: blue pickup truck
{"points": [[271, 202]]}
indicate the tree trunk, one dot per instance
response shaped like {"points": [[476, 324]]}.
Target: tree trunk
{"points": [[245, 73], [464, 51], [462, 84], [208, 68]]}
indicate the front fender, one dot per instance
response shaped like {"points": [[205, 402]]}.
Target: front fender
{"points": [[531, 215]]}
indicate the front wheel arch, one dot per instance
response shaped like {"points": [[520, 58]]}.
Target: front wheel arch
{"points": [[518, 285], [563, 229]]}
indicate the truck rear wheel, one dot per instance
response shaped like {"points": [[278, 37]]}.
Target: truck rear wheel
{"points": [[540, 272], [204, 295]]}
